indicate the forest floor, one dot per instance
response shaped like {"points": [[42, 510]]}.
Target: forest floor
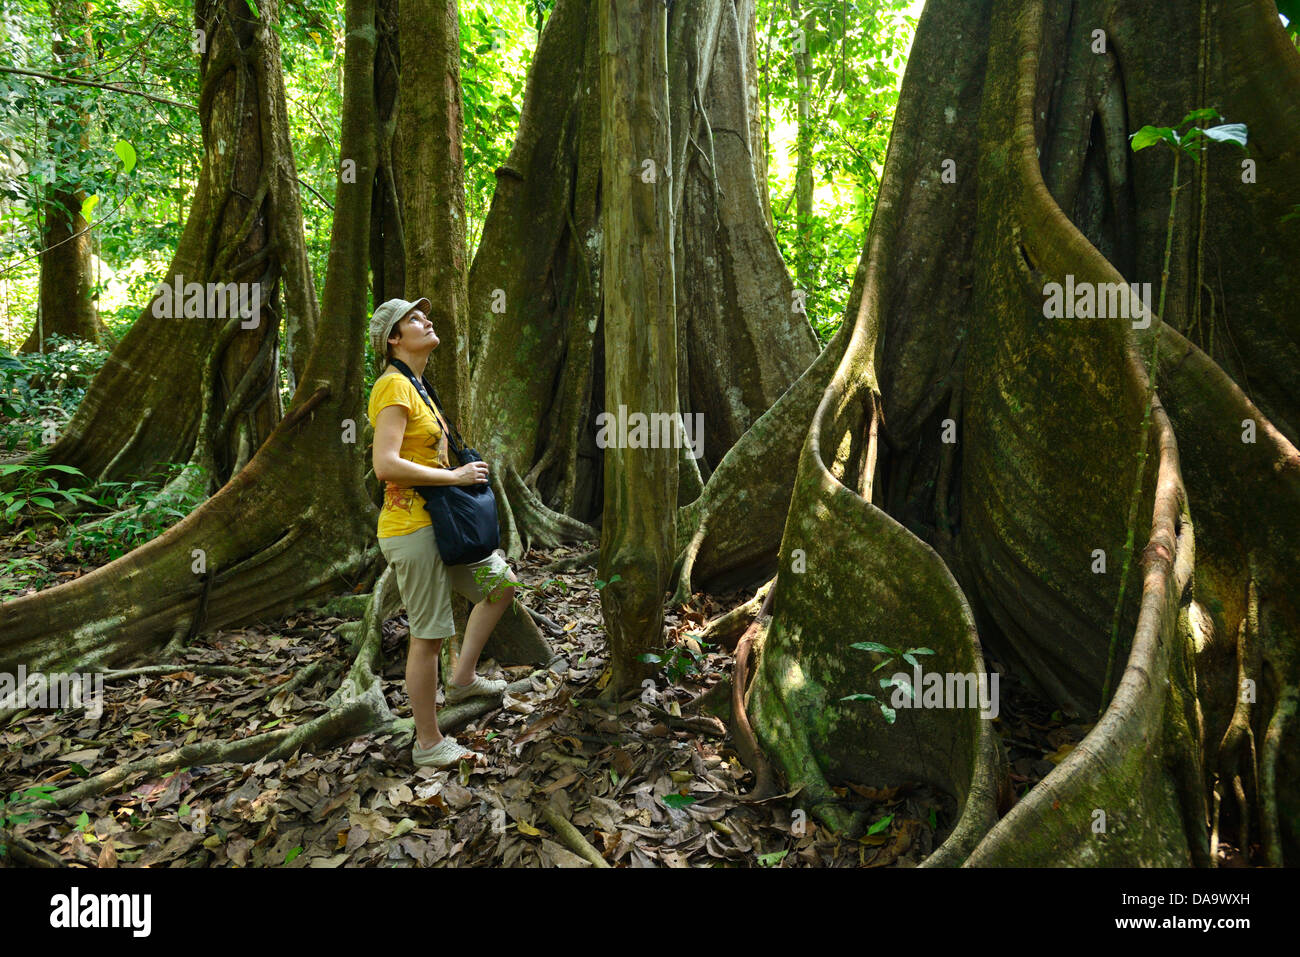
{"points": [[642, 785]]}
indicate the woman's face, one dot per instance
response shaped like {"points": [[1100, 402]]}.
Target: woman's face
{"points": [[415, 333]]}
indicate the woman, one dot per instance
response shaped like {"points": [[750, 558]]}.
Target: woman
{"points": [[410, 448]]}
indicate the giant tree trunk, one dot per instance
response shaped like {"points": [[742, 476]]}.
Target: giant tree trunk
{"points": [[638, 532], [536, 286], [219, 398], [65, 303], [294, 523], [430, 166], [1048, 417]]}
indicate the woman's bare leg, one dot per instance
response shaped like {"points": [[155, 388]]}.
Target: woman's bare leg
{"points": [[478, 629], [422, 688]]}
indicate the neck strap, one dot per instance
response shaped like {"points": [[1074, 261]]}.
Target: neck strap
{"points": [[423, 387]]}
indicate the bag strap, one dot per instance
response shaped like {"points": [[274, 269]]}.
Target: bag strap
{"points": [[423, 387]]}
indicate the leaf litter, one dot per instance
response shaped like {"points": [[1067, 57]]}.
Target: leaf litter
{"points": [[643, 786]]}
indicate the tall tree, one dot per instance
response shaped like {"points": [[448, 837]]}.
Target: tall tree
{"points": [[66, 304], [220, 397], [536, 283], [1003, 492], [430, 166], [638, 530]]}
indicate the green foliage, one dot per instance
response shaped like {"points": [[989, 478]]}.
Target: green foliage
{"points": [[37, 492], [679, 660], [137, 513], [11, 816], [39, 388], [910, 656], [132, 160], [19, 573], [856, 51], [1190, 141]]}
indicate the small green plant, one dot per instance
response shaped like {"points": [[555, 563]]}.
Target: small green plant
{"points": [[772, 860], [891, 654], [138, 513], [10, 816], [37, 388], [679, 660], [489, 580], [20, 573], [36, 490]]}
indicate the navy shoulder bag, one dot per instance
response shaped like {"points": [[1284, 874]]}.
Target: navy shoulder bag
{"points": [[464, 516]]}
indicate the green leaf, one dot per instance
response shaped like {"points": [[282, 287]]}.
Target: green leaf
{"points": [[1150, 135], [88, 206], [880, 825], [889, 713], [83, 822], [859, 697], [677, 801], [921, 651], [257, 15], [911, 659], [872, 646], [1227, 133], [648, 658], [1209, 113], [288, 858], [79, 771], [773, 859], [126, 153]]}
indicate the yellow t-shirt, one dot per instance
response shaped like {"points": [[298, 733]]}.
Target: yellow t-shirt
{"points": [[424, 443]]}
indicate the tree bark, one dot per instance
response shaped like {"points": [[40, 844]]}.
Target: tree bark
{"points": [[536, 287], [66, 276], [245, 226], [1048, 416], [638, 532], [430, 164]]}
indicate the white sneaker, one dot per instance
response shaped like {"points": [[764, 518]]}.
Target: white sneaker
{"points": [[478, 688], [444, 754]]}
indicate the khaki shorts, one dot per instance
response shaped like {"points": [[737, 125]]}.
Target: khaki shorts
{"points": [[425, 583]]}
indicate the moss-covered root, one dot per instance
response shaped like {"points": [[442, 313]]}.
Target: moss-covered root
{"points": [[532, 523], [729, 535], [1127, 793]]}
